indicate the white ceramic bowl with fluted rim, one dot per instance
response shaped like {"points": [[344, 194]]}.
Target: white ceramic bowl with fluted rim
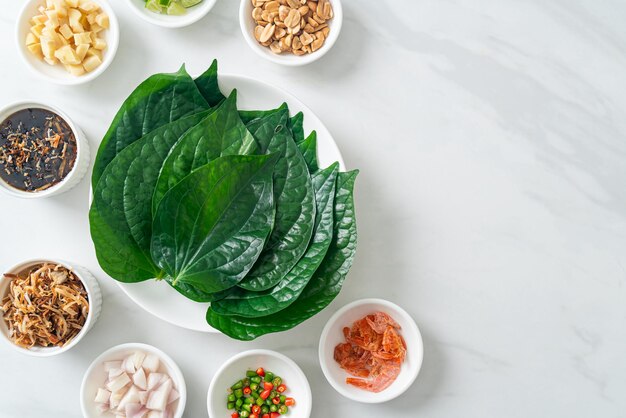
{"points": [[279, 364], [95, 376], [93, 293], [248, 24], [81, 165], [193, 14], [332, 335], [57, 73]]}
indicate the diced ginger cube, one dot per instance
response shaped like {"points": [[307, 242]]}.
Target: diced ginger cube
{"points": [[95, 28], [36, 30], [48, 47], [100, 44], [91, 63], [91, 18], [58, 3], [66, 31], [87, 6], [75, 70], [53, 19], [75, 16], [81, 51], [66, 55], [31, 39], [103, 20], [51, 60], [82, 38], [39, 19], [49, 32], [35, 49], [94, 52], [72, 3]]}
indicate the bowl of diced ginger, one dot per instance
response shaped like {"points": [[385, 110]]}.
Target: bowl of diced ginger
{"points": [[67, 41]]}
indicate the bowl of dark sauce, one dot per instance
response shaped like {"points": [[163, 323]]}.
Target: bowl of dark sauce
{"points": [[42, 152]]}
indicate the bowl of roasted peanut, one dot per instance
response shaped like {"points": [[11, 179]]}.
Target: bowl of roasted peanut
{"points": [[291, 32]]}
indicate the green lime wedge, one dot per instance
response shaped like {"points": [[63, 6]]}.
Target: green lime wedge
{"points": [[153, 6], [164, 3], [189, 3], [176, 9]]}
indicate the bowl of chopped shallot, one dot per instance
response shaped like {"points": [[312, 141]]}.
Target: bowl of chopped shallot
{"points": [[133, 380], [47, 306]]}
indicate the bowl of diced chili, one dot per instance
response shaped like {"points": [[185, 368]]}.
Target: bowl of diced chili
{"points": [[259, 384]]}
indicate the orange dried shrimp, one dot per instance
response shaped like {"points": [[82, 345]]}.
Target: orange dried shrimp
{"points": [[373, 352]]}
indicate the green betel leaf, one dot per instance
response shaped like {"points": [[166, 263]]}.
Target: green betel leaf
{"points": [[208, 87], [210, 228], [296, 125], [248, 116], [321, 289], [220, 134], [148, 155], [295, 210], [252, 304], [120, 229], [159, 100], [192, 292], [264, 127], [118, 255], [308, 149]]}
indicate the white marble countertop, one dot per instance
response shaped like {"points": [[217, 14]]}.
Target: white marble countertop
{"points": [[491, 138]]}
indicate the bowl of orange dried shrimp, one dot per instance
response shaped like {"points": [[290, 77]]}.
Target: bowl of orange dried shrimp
{"points": [[47, 306], [371, 351]]}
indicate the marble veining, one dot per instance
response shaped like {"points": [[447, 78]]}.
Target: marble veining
{"points": [[491, 138]]}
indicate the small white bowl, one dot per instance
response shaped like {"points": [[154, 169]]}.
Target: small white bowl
{"points": [[95, 304], [57, 73], [235, 369], [333, 335], [248, 24], [95, 376], [81, 165], [193, 14]]}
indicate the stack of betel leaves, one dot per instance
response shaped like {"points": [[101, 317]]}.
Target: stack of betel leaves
{"points": [[227, 206]]}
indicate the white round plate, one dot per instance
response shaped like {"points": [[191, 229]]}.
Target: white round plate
{"points": [[159, 298]]}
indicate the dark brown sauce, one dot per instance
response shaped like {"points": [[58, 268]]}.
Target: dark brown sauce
{"points": [[37, 149]]}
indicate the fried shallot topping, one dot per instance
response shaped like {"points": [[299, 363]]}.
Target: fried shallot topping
{"points": [[46, 305]]}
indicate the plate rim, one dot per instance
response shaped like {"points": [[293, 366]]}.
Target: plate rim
{"points": [[287, 97]]}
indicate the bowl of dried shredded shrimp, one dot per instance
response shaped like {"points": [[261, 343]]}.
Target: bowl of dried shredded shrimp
{"points": [[47, 306]]}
